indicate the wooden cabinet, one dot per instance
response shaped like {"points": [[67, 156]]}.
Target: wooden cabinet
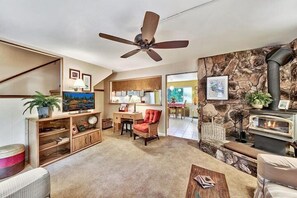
{"points": [[146, 84], [86, 139], [52, 139]]}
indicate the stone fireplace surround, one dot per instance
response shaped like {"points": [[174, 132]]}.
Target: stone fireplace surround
{"points": [[247, 71]]}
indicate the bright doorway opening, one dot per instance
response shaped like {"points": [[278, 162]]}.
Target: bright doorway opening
{"points": [[182, 105]]}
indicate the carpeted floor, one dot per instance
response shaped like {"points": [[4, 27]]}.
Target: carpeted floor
{"points": [[122, 167]]}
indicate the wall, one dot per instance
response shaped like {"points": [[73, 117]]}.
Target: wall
{"points": [[98, 73], [247, 72], [36, 80], [22, 60], [187, 66]]}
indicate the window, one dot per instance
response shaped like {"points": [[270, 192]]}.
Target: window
{"points": [[180, 94]]}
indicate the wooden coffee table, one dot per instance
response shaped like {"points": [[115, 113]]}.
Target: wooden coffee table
{"points": [[220, 190]]}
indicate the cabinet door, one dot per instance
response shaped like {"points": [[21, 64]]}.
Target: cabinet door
{"points": [[94, 137], [80, 142]]}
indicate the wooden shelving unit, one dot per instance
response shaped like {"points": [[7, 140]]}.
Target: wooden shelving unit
{"points": [[52, 139]]}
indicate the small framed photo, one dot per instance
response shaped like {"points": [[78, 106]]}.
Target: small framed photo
{"points": [[217, 88], [74, 74], [284, 104], [87, 78]]}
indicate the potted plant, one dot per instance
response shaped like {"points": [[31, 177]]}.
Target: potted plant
{"points": [[45, 104], [258, 99]]}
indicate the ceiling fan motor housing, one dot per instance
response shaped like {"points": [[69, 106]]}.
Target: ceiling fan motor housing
{"points": [[141, 43]]}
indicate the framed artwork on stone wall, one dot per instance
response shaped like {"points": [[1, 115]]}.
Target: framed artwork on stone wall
{"points": [[217, 88]]}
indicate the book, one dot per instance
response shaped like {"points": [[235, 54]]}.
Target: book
{"points": [[205, 181]]}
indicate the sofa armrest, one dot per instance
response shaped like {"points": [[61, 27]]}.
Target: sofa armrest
{"points": [[278, 169], [34, 184]]}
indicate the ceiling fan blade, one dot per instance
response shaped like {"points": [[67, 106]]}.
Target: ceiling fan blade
{"points": [[131, 53], [154, 55], [117, 39], [171, 44], [150, 24]]}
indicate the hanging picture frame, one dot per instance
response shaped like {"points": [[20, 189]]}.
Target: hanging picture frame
{"points": [[74, 74], [217, 88], [87, 78]]}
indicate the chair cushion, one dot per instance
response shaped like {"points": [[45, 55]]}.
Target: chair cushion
{"points": [[143, 127], [152, 116]]}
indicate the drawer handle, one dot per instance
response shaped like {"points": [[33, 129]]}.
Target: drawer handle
{"points": [[91, 139], [86, 140]]}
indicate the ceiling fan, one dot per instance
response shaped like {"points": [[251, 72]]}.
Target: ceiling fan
{"points": [[145, 41]]}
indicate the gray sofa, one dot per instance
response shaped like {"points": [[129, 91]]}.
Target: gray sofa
{"points": [[276, 176], [34, 184]]}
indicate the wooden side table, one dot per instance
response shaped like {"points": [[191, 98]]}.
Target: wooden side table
{"points": [[220, 190]]}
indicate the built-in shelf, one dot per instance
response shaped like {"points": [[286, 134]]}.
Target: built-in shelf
{"points": [[85, 132], [53, 132], [56, 145], [44, 147]]}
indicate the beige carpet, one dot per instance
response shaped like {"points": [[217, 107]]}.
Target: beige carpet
{"points": [[122, 167]]}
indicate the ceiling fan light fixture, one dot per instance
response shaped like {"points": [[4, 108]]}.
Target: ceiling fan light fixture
{"points": [[145, 40]]}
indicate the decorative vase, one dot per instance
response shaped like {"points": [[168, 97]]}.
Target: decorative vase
{"points": [[257, 106]]}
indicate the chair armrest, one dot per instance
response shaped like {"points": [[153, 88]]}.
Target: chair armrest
{"points": [[153, 128], [139, 121], [34, 184], [278, 169], [154, 123]]}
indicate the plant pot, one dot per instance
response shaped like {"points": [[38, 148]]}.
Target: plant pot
{"points": [[257, 106], [43, 112]]}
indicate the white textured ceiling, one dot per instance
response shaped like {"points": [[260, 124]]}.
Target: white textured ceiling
{"points": [[71, 27]]}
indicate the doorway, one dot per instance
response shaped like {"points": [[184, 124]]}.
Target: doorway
{"points": [[182, 104]]}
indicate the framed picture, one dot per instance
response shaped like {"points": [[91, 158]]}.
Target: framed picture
{"points": [[74, 74], [87, 78], [217, 88], [283, 104]]}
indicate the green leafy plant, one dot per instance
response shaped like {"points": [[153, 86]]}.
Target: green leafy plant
{"points": [[258, 98], [40, 100]]}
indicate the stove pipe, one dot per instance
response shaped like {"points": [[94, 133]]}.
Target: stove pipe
{"points": [[276, 58]]}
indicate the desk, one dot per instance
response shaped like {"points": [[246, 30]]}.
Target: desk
{"points": [[117, 118]]}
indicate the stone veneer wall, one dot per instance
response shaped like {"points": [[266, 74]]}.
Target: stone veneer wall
{"points": [[247, 71]]}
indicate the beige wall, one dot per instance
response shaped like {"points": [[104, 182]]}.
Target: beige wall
{"points": [[188, 66], [98, 73], [43, 80], [14, 60]]}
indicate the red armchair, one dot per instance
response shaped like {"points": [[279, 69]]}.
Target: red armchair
{"points": [[147, 127]]}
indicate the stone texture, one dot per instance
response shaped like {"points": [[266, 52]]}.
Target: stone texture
{"points": [[230, 67], [237, 160], [247, 71]]}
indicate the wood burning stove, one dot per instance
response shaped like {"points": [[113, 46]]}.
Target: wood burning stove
{"points": [[273, 129]]}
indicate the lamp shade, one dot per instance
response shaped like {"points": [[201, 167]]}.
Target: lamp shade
{"points": [[79, 83]]}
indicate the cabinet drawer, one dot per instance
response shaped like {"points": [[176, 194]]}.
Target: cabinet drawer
{"points": [[127, 116]]}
